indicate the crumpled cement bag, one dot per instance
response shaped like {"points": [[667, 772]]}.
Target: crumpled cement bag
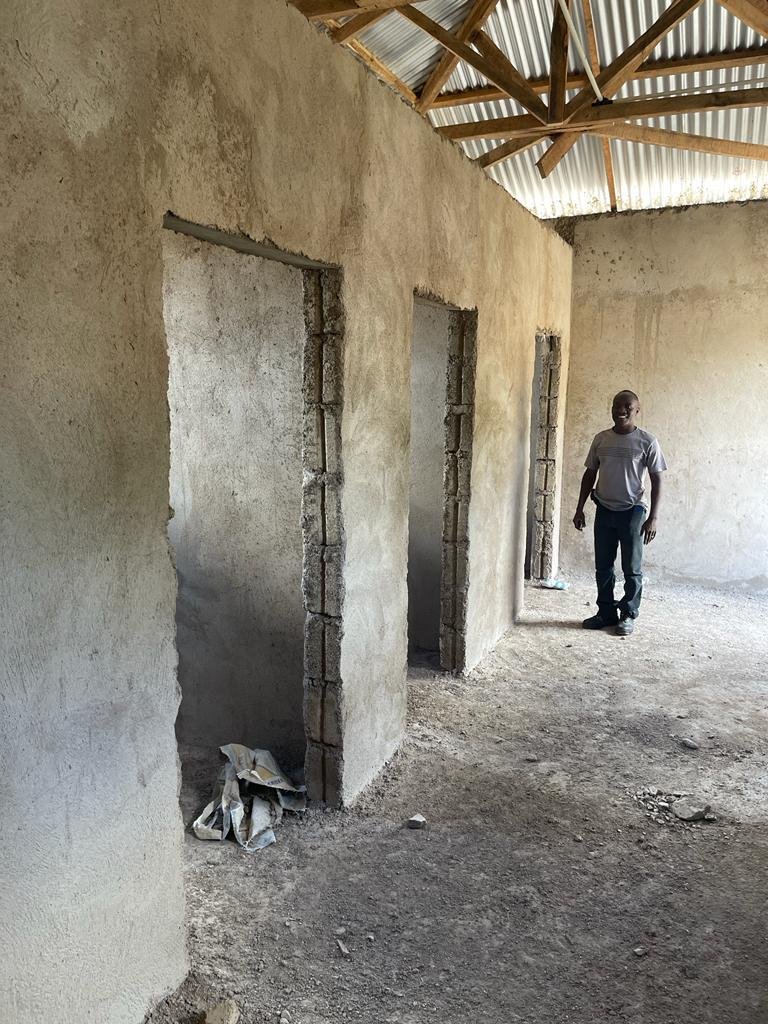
{"points": [[253, 814]]}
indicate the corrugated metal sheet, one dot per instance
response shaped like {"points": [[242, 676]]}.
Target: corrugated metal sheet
{"points": [[646, 176]]}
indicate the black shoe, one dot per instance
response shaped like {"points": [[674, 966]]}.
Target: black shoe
{"points": [[598, 622], [625, 626]]}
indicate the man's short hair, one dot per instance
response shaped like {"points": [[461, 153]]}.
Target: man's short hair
{"points": [[626, 391]]}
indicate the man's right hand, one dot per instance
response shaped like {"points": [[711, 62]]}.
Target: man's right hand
{"points": [[579, 520]]}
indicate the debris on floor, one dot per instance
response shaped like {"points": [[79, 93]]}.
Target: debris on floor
{"points": [[417, 821], [250, 797], [669, 808], [223, 1013], [554, 584]]}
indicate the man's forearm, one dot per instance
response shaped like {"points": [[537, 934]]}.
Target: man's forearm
{"points": [[655, 496], [587, 483]]}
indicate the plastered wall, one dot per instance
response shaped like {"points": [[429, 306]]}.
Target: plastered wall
{"points": [[235, 330], [244, 117], [672, 304]]}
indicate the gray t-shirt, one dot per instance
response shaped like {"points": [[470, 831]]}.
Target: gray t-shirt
{"points": [[620, 460]]}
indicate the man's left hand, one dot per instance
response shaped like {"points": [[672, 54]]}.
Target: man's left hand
{"points": [[648, 530]]}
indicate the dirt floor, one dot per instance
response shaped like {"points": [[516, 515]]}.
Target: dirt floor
{"points": [[540, 891]]}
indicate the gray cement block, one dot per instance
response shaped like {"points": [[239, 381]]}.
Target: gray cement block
{"points": [[332, 368], [464, 468], [332, 434], [451, 474], [314, 645], [450, 518], [313, 450], [313, 302], [466, 432], [332, 641], [452, 432], [462, 519], [333, 307], [468, 382], [332, 511], [312, 578], [333, 583], [453, 382], [312, 511]]}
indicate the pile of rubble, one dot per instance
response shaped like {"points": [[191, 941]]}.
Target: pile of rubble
{"points": [[672, 808]]}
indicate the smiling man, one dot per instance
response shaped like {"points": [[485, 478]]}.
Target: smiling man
{"points": [[617, 460]]}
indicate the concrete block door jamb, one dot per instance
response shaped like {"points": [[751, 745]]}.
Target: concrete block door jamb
{"points": [[323, 534], [459, 432]]}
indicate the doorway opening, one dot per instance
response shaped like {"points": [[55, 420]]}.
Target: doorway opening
{"points": [[443, 358], [540, 549], [254, 346]]}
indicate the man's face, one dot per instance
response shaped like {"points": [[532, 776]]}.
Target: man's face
{"points": [[624, 411]]}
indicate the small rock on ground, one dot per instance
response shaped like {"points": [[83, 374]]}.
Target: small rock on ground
{"points": [[690, 809], [223, 1013]]}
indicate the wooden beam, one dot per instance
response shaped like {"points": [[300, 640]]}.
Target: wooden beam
{"points": [[752, 12], [611, 79], [508, 149], [682, 140], [558, 63], [478, 15], [356, 25], [562, 145], [524, 94], [377, 67], [621, 110], [594, 60], [650, 69], [495, 67], [338, 8], [610, 175]]}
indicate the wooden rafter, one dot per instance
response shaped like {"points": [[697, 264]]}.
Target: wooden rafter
{"points": [[356, 25], [650, 69], [594, 60], [523, 94], [611, 78], [378, 67], [619, 71], [478, 15], [506, 150], [752, 12], [682, 140], [558, 63], [340, 8], [490, 62], [622, 110]]}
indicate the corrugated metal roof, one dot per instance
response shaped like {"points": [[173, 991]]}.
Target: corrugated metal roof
{"points": [[646, 176]]}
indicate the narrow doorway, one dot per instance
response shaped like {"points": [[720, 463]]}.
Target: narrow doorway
{"points": [[442, 418], [254, 397], [540, 553]]}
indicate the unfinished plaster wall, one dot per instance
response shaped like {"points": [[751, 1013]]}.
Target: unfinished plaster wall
{"points": [[235, 329], [673, 306], [245, 117], [429, 363]]}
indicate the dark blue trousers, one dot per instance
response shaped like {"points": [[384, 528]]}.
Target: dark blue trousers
{"points": [[614, 530]]}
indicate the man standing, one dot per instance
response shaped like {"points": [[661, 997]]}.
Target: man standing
{"points": [[617, 460]]}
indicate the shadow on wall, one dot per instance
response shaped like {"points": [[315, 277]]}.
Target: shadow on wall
{"points": [[235, 332]]}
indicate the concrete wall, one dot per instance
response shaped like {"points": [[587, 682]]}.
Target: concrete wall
{"points": [[673, 306], [244, 117], [429, 363], [235, 330]]}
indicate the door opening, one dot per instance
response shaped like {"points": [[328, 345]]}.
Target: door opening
{"points": [[254, 397], [442, 418]]}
